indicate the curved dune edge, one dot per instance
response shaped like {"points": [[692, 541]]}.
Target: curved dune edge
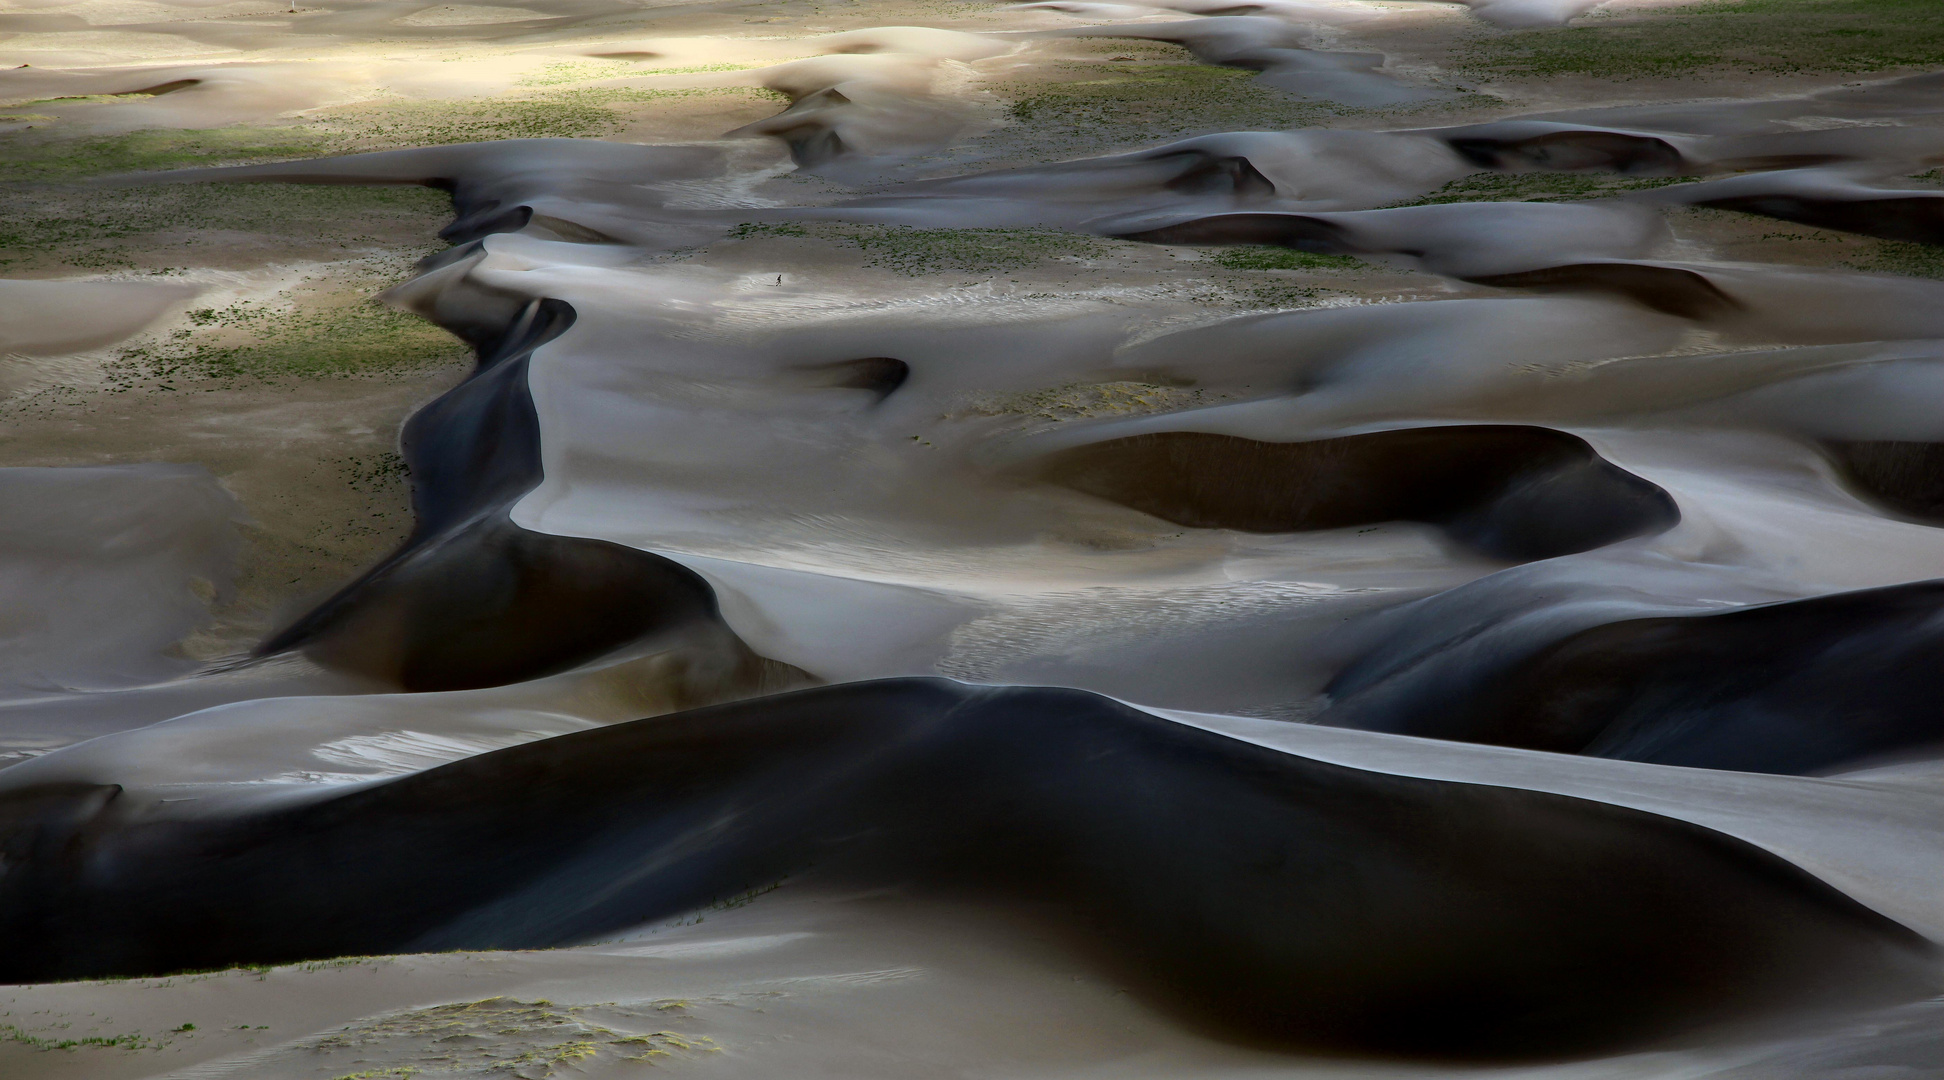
{"points": [[1511, 492], [1799, 687], [1298, 363], [472, 600], [1207, 884]]}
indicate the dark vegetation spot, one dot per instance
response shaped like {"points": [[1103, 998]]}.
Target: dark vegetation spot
{"points": [[1256, 257], [922, 252], [256, 342], [1155, 102], [1542, 187]]}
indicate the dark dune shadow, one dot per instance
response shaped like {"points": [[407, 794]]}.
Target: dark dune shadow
{"points": [[806, 127], [484, 220], [470, 599], [1572, 151], [169, 87], [881, 376], [1907, 477], [1669, 290], [1165, 172], [492, 603], [1916, 219], [1260, 895], [1797, 687], [1511, 492], [1210, 174]]}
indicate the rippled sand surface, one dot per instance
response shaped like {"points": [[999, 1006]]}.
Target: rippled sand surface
{"points": [[909, 538]]}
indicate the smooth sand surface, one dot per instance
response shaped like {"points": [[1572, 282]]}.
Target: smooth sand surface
{"points": [[435, 438]]}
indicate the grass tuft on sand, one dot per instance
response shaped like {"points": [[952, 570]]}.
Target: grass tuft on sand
{"points": [[91, 227], [1542, 187], [1277, 258], [922, 252], [582, 112], [50, 154], [1760, 36], [1154, 102], [316, 337], [1899, 257]]}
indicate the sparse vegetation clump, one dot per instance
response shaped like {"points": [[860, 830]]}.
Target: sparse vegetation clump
{"points": [[9, 1033], [1157, 101], [921, 252], [569, 72], [91, 227], [752, 230], [1900, 257], [1082, 401], [577, 112], [1542, 187], [1757, 36], [506, 1036], [371, 475], [48, 154], [321, 337], [1256, 257]]}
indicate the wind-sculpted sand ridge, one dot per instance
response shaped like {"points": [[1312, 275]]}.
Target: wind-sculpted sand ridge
{"points": [[1917, 217], [1800, 687], [1019, 796], [1178, 539], [1491, 243], [1485, 243], [426, 618], [1904, 475]]}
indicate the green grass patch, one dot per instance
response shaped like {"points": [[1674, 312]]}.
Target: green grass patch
{"points": [[922, 252], [568, 72], [251, 341], [1160, 101], [1899, 257], [1277, 297], [1542, 187], [696, 69], [1760, 36], [1279, 258], [752, 230], [109, 228], [49, 153], [45, 154], [577, 113], [11, 1034]]}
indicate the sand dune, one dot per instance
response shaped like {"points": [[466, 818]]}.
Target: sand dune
{"points": [[1307, 538]]}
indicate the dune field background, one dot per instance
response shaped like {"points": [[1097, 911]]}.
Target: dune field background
{"points": [[931, 538]]}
